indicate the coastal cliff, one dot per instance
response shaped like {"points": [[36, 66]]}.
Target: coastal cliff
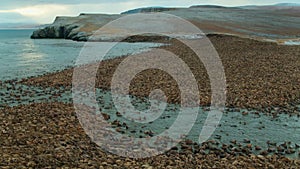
{"points": [[75, 28], [276, 23]]}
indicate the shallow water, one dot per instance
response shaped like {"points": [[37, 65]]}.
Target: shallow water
{"points": [[22, 57], [258, 128], [292, 42], [233, 126]]}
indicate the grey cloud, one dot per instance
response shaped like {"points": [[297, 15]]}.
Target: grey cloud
{"points": [[6, 5], [14, 18]]}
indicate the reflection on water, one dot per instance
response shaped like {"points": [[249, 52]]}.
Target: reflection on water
{"points": [[30, 52], [22, 57]]}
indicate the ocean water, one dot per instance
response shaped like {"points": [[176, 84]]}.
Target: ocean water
{"points": [[22, 57]]}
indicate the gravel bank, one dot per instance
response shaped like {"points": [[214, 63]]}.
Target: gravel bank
{"points": [[48, 135], [260, 75]]}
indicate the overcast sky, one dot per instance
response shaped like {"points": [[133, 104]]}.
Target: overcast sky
{"points": [[44, 11]]}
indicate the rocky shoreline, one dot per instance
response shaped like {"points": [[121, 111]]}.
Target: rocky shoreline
{"points": [[257, 133], [48, 135], [260, 75], [40, 128]]}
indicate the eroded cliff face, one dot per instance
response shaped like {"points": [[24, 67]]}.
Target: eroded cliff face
{"points": [[78, 28], [56, 31]]}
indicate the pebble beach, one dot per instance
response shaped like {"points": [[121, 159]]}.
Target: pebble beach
{"points": [[40, 128]]}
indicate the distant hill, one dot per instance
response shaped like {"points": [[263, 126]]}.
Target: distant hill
{"points": [[148, 9], [275, 6], [165, 9], [287, 4], [207, 6]]}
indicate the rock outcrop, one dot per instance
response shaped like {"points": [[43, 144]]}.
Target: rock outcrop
{"points": [[75, 28], [55, 31]]}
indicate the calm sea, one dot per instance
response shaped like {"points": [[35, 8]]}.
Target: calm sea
{"points": [[22, 57]]}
